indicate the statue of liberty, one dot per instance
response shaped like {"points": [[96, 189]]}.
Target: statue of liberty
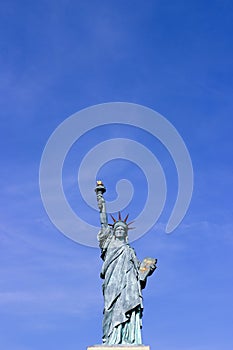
{"points": [[124, 278]]}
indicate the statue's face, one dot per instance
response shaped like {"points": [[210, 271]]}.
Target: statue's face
{"points": [[120, 232]]}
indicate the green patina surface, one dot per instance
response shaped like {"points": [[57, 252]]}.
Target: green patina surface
{"points": [[124, 278]]}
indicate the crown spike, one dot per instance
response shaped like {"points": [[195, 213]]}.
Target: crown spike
{"points": [[119, 216], [126, 218], [114, 220], [131, 222]]}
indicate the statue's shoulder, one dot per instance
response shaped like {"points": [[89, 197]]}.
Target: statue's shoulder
{"points": [[104, 237], [104, 232], [132, 250]]}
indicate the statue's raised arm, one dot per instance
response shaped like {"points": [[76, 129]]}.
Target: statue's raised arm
{"points": [[105, 234], [100, 190]]}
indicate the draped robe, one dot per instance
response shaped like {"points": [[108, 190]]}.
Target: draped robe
{"points": [[122, 291]]}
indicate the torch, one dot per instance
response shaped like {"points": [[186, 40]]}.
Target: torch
{"points": [[100, 190]]}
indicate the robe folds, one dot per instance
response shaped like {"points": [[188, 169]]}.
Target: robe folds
{"points": [[122, 292]]}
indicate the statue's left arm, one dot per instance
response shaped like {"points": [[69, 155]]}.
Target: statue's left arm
{"points": [[147, 267]]}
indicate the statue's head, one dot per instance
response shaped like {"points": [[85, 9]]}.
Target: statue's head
{"points": [[120, 228]]}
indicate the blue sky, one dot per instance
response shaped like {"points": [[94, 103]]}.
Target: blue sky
{"points": [[58, 57]]}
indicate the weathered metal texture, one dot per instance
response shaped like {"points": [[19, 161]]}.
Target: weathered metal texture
{"points": [[124, 277]]}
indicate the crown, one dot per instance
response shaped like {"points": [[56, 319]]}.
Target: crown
{"points": [[121, 222]]}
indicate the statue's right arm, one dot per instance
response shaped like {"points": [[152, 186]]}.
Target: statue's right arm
{"points": [[104, 235], [102, 209]]}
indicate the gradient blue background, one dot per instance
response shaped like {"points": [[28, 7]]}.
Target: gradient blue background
{"points": [[58, 57]]}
